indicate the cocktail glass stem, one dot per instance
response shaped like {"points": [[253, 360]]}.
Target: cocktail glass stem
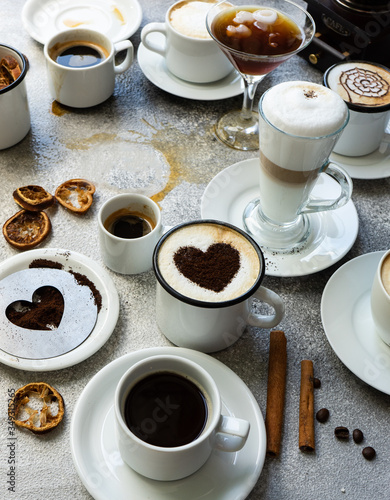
{"points": [[250, 87]]}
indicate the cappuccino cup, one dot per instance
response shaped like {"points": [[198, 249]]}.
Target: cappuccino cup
{"points": [[168, 416], [183, 41], [365, 87], [208, 274], [81, 66], [380, 298], [129, 228]]}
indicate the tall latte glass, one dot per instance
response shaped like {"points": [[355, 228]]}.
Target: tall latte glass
{"points": [[300, 123]]}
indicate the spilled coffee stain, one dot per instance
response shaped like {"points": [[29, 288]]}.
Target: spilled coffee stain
{"points": [[118, 14], [58, 109], [69, 23], [176, 148]]}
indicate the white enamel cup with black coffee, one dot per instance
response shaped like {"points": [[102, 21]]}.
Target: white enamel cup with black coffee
{"points": [[14, 109], [81, 86], [210, 320], [137, 431]]}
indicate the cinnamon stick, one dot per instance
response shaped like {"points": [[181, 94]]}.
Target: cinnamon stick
{"points": [[277, 367], [306, 407]]}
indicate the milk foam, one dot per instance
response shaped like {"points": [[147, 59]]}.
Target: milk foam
{"points": [[360, 83], [305, 109], [202, 236], [189, 18]]}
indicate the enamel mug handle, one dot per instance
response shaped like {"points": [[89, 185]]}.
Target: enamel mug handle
{"points": [[125, 65], [345, 182], [153, 28], [272, 299], [231, 433]]}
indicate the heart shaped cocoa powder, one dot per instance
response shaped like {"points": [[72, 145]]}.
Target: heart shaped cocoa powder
{"points": [[213, 269], [43, 313]]}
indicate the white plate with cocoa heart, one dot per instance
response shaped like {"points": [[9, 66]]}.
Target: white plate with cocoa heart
{"points": [[106, 317]]}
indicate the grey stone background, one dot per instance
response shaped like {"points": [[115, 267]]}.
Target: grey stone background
{"points": [[148, 141]]}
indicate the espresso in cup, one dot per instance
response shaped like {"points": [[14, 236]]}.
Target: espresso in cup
{"points": [[385, 274], [365, 87], [129, 224], [78, 54], [380, 298]]}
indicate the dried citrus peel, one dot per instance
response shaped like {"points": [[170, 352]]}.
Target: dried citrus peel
{"points": [[26, 229], [75, 195], [34, 198], [39, 420]]}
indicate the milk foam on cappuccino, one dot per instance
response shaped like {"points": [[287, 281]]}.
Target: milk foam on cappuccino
{"points": [[202, 236], [189, 18], [360, 83]]}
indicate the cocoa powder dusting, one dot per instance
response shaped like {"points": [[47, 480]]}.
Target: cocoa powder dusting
{"points": [[84, 281]]}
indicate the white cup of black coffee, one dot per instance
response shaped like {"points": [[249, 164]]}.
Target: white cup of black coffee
{"points": [[81, 66], [168, 416]]}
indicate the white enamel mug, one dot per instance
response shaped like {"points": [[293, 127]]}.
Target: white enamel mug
{"points": [[129, 256], [221, 432], [82, 87], [212, 326], [14, 109], [197, 60]]}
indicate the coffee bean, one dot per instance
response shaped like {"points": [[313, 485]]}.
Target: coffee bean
{"points": [[322, 415], [368, 453], [316, 383], [357, 435], [341, 433]]}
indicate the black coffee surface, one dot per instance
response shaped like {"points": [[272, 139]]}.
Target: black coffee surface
{"points": [[165, 409], [79, 56], [130, 227]]}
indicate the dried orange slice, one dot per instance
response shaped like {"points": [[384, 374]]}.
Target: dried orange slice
{"points": [[36, 402], [34, 198], [75, 195], [26, 229]]}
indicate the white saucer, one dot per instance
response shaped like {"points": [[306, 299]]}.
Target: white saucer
{"points": [[373, 166], [333, 232], [346, 317], [117, 19], [154, 68], [106, 319], [225, 476]]}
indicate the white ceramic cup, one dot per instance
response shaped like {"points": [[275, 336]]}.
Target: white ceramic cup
{"points": [[14, 109], [220, 432], [211, 326], [129, 256], [367, 124], [380, 298], [82, 87], [197, 60]]}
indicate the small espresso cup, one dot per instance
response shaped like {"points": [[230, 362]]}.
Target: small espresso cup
{"points": [[81, 66], [180, 422], [14, 109], [365, 88], [129, 228], [208, 273], [189, 51], [380, 298]]}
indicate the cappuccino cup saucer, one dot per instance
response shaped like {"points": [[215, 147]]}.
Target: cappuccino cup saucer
{"points": [[100, 467], [348, 324], [332, 233], [154, 68], [373, 166]]}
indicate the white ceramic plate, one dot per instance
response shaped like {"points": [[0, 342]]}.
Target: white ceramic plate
{"points": [[348, 324], [373, 166], [154, 68], [333, 232], [225, 476], [117, 19], [106, 319]]}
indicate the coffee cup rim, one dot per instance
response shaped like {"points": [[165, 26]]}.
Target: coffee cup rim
{"points": [[353, 106], [201, 303], [23, 70], [379, 273], [72, 31], [205, 434], [136, 196]]}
